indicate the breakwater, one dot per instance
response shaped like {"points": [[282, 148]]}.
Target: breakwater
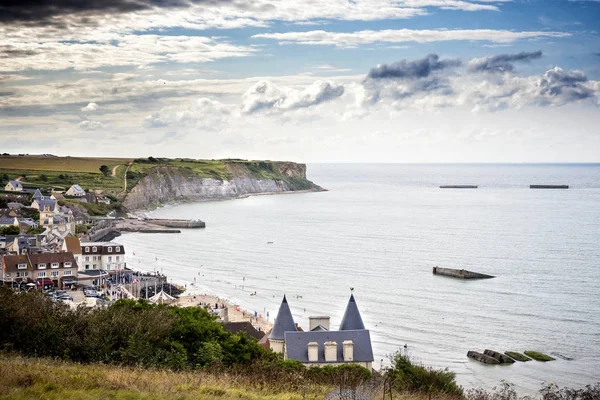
{"points": [[459, 187], [177, 223], [460, 273], [548, 186]]}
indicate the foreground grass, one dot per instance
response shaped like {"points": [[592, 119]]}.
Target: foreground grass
{"points": [[24, 378]]}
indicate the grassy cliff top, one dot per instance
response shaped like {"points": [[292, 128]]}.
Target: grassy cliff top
{"points": [[59, 173]]}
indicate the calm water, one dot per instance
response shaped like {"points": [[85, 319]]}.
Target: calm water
{"points": [[381, 229]]}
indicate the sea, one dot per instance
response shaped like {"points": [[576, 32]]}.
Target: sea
{"points": [[380, 229]]}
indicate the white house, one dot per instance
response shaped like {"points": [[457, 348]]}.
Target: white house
{"points": [[13, 186], [107, 256], [75, 191]]}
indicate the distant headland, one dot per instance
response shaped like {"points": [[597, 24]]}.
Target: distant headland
{"points": [[140, 183]]}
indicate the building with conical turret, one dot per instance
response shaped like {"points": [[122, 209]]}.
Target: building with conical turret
{"points": [[319, 345], [283, 323]]}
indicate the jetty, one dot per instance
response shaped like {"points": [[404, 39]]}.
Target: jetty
{"points": [[177, 223], [460, 273], [459, 187], [548, 186]]}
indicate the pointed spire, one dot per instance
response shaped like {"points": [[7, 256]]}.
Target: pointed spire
{"points": [[352, 319], [37, 194], [284, 321]]}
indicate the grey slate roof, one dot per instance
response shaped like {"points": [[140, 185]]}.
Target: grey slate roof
{"points": [[47, 203], [38, 194], [7, 220], [352, 318], [296, 344], [284, 322]]}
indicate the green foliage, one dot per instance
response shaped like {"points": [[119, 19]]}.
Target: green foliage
{"points": [[517, 356], [35, 231], [93, 209], [417, 378], [10, 230], [105, 170], [44, 177], [82, 228], [536, 355], [5, 178], [128, 333]]}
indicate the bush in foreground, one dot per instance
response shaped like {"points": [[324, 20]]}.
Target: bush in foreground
{"points": [[411, 377]]}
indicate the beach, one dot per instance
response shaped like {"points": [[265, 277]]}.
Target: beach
{"points": [[235, 312]]}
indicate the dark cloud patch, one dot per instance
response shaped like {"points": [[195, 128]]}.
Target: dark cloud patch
{"points": [[43, 12], [565, 85], [416, 69], [11, 51], [502, 62]]}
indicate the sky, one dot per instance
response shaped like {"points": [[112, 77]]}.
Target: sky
{"points": [[303, 80]]}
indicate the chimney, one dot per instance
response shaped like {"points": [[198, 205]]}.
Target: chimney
{"points": [[348, 350], [330, 351], [318, 320], [313, 351]]}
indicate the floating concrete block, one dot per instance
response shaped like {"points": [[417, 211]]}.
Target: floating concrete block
{"points": [[475, 355], [503, 358]]}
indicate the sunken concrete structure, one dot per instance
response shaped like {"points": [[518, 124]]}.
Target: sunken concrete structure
{"points": [[351, 344]]}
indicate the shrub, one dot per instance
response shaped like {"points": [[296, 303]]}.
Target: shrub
{"points": [[417, 378]]}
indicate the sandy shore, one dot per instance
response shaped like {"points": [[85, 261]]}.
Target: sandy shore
{"points": [[235, 312]]}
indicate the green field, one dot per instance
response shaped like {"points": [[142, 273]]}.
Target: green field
{"points": [[59, 164], [59, 173]]}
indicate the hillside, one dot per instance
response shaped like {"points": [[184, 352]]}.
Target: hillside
{"points": [[27, 378], [144, 182]]}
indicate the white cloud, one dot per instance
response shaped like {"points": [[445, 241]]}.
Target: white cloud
{"points": [[90, 107], [205, 114], [91, 125], [126, 50], [353, 39], [265, 96]]}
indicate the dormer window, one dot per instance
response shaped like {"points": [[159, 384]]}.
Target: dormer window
{"points": [[41, 266], [110, 249], [118, 249], [94, 249], [87, 249], [67, 265], [22, 266], [54, 265]]}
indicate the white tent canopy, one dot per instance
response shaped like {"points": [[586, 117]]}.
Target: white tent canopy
{"points": [[161, 297]]}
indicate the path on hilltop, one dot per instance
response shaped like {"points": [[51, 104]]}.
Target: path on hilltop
{"points": [[114, 171], [125, 177]]}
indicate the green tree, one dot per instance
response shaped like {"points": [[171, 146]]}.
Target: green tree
{"points": [[5, 177], [44, 177], [35, 231], [10, 230], [105, 170]]}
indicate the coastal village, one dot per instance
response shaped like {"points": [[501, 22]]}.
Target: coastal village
{"points": [[44, 248]]}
